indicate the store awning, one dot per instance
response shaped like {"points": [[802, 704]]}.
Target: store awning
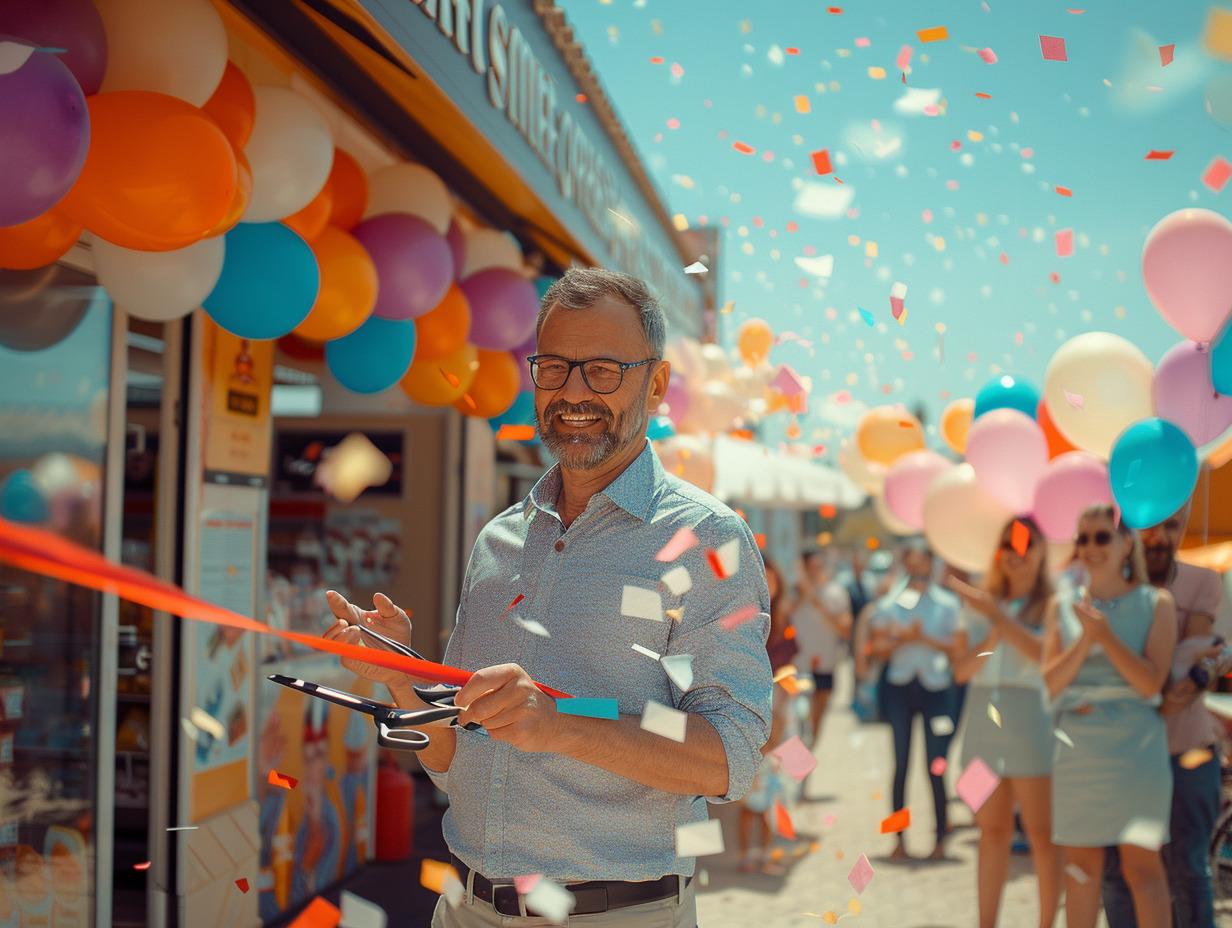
{"points": [[750, 473]]}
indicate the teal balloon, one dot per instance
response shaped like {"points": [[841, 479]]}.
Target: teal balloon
{"points": [[21, 500], [268, 284], [374, 357], [542, 284], [1221, 360], [522, 412], [660, 427], [1153, 470], [1007, 392]]}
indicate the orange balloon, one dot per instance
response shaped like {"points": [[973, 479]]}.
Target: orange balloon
{"points": [[160, 174], [233, 106], [239, 201], [754, 339], [1057, 443], [445, 328], [310, 220], [494, 388], [441, 381], [350, 188], [886, 433], [348, 287], [956, 422], [39, 241]]}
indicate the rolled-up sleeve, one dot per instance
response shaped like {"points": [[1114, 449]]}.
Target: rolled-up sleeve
{"points": [[732, 683]]}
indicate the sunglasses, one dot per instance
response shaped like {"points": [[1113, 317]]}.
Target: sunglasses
{"points": [[1100, 539]]}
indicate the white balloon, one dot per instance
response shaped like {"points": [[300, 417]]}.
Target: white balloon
{"points": [[486, 248], [962, 523], [176, 47], [291, 152], [409, 188], [869, 476], [159, 285]]}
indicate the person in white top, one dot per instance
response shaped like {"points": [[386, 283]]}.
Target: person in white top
{"points": [[1006, 722], [822, 620]]}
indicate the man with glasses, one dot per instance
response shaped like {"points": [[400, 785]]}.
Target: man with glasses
{"points": [[1193, 737], [607, 566]]}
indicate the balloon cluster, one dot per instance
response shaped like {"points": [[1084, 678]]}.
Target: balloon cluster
{"points": [[1108, 427], [200, 189]]}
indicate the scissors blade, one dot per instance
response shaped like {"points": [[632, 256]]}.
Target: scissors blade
{"points": [[396, 646]]}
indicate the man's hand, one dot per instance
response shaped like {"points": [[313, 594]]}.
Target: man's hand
{"points": [[506, 702], [387, 619]]}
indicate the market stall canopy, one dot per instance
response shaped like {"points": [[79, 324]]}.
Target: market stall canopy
{"points": [[748, 472]]}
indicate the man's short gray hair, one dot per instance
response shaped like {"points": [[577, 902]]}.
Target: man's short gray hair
{"points": [[582, 288]]}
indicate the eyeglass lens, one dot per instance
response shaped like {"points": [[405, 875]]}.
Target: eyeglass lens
{"points": [[1099, 539], [601, 376]]}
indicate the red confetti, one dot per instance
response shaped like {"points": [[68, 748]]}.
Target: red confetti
{"points": [[516, 432], [743, 148], [984, 96], [242, 883], [1053, 48], [716, 563], [899, 821], [760, 541], [1165, 54], [1217, 173], [834, 9], [937, 767], [821, 160], [782, 821], [1154, 155], [739, 617], [1065, 191], [281, 779], [581, 98], [1055, 277], [516, 600], [792, 50], [1020, 538], [144, 865], [656, 60]]}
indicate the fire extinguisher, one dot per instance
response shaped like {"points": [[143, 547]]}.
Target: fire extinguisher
{"points": [[395, 810]]}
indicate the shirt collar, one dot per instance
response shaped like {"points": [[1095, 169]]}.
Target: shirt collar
{"points": [[633, 490]]}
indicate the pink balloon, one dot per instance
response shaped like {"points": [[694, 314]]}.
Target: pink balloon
{"points": [[1070, 482], [1187, 270], [414, 268], [907, 482], [676, 399], [504, 306], [1008, 451], [1185, 395]]}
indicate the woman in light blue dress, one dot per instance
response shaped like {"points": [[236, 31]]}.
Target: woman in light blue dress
{"points": [[1107, 648], [1006, 723]]}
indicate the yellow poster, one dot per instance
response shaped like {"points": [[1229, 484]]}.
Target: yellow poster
{"points": [[239, 374]]}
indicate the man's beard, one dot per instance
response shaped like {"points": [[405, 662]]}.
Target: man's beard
{"points": [[586, 451], [1158, 562]]}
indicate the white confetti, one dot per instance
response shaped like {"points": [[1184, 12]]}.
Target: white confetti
{"points": [[1076, 873], [1144, 832], [729, 557], [994, 715], [531, 625], [641, 603], [13, 55], [696, 268], [1063, 737], [551, 900], [360, 913], [699, 839], [678, 581], [679, 669], [653, 655], [665, 721], [941, 725]]}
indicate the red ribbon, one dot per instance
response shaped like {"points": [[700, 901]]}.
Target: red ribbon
{"points": [[46, 553]]}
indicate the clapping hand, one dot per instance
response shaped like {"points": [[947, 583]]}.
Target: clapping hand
{"points": [[1094, 623], [977, 600]]}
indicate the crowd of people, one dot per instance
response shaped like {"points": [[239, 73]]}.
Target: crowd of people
{"points": [[1077, 685]]}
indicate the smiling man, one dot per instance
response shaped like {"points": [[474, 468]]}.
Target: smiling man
{"points": [[594, 803]]}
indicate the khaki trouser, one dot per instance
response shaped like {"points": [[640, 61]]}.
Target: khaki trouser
{"points": [[666, 913]]}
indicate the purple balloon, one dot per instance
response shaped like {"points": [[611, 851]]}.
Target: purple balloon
{"points": [[676, 398], [457, 245], [1185, 395], [1070, 482], [504, 307], [414, 268], [520, 354], [44, 135], [74, 25]]}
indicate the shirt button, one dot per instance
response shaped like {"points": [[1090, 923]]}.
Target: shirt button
{"points": [[560, 546]]}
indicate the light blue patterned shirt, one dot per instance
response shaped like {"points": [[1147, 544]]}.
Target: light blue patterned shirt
{"points": [[513, 813]]}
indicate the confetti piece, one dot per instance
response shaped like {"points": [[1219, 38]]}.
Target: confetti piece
{"points": [[1053, 48], [898, 821], [1075, 12], [532, 625], [656, 59], [517, 599], [994, 714], [679, 669], [242, 883], [641, 603], [830, 918], [1144, 832], [834, 9], [699, 839], [184, 828], [589, 707], [1073, 870], [144, 865], [1063, 737], [903, 61], [743, 148], [318, 914], [728, 554], [898, 295], [976, 784], [281, 779], [935, 34], [524, 884], [941, 725], [681, 542], [787, 381], [792, 50], [782, 821], [1154, 155], [1165, 54], [677, 581], [877, 74], [866, 316], [985, 654], [358, 912], [677, 70], [984, 96], [1020, 538], [1217, 173], [515, 432], [830, 819], [551, 900], [1064, 191], [1195, 757], [854, 906], [1074, 399], [432, 874], [664, 721], [797, 760], [653, 655], [696, 268], [988, 56], [724, 310], [1065, 242], [821, 160], [802, 105], [739, 617], [674, 614], [937, 767]]}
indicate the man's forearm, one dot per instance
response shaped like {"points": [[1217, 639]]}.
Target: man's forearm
{"points": [[698, 767]]}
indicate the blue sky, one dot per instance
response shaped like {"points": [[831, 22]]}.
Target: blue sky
{"points": [[984, 171]]}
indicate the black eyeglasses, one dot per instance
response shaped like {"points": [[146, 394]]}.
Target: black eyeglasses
{"points": [[1099, 539], [601, 375]]}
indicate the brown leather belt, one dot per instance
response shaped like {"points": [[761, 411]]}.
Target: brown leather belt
{"points": [[591, 898]]}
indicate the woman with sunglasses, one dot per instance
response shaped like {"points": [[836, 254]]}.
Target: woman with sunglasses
{"points": [[1107, 648], [1006, 722]]}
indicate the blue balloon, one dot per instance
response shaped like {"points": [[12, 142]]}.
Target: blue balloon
{"points": [[268, 284], [1221, 360], [542, 284], [522, 412], [21, 500], [373, 357], [1007, 392], [1153, 470], [660, 427]]}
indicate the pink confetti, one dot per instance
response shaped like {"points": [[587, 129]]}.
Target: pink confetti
{"points": [[681, 542], [861, 875], [830, 819], [862, 42], [524, 884], [927, 215], [932, 109], [1005, 259], [955, 145], [904, 58], [988, 56], [1065, 242], [1165, 54], [1074, 399], [787, 381], [976, 784], [1217, 173], [937, 767], [677, 70], [739, 617], [797, 760], [1027, 152], [1053, 48]]}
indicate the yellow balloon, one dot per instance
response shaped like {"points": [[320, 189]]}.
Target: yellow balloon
{"points": [[956, 422], [886, 433], [754, 339]]}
